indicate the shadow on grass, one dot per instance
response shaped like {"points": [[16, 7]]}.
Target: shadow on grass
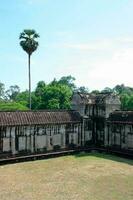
{"points": [[105, 156]]}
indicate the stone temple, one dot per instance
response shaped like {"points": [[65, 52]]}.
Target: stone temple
{"points": [[93, 121]]}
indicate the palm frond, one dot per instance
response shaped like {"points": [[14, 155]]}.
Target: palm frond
{"points": [[28, 42]]}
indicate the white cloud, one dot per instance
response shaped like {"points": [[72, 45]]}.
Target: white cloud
{"points": [[117, 70], [92, 45], [95, 45], [113, 66], [96, 65]]}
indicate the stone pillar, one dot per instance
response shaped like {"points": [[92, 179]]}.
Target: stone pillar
{"points": [[49, 143], [76, 132], [32, 143], [49, 139], [106, 135], [83, 133], [79, 133], [63, 133], [13, 149]]}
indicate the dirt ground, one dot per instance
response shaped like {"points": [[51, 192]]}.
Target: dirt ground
{"points": [[80, 177]]}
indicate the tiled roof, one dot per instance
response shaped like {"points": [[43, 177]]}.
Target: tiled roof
{"points": [[121, 117], [38, 117]]}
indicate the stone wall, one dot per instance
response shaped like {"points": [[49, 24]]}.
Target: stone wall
{"points": [[38, 138]]}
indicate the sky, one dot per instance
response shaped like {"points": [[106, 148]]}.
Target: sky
{"points": [[91, 40]]}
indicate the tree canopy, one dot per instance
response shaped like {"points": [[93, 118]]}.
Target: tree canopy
{"points": [[28, 40], [56, 95]]}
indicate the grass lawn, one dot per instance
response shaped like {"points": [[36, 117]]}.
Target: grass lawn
{"points": [[80, 177]]}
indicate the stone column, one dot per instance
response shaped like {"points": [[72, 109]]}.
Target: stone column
{"points": [[13, 149], [83, 133], [63, 133]]}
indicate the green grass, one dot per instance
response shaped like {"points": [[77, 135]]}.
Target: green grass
{"points": [[80, 177]]}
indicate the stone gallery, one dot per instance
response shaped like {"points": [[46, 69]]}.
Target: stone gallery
{"points": [[94, 121]]}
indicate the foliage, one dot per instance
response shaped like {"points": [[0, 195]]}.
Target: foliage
{"points": [[11, 106], [125, 93], [122, 89], [107, 90], [83, 89], [126, 96], [22, 97], [12, 92], [127, 102], [53, 96], [67, 80], [53, 104], [28, 40], [95, 92], [2, 90], [57, 94]]}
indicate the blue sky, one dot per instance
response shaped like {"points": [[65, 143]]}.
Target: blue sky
{"points": [[90, 39]]}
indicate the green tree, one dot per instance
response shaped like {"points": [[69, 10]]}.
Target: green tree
{"points": [[53, 96], [107, 90], [67, 80], [124, 101], [95, 92], [39, 91], [122, 89], [2, 91], [130, 102], [83, 89], [23, 97], [12, 92], [53, 104], [11, 106], [29, 44], [38, 95]]}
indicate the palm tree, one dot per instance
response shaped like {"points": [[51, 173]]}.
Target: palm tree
{"points": [[29, 44]]}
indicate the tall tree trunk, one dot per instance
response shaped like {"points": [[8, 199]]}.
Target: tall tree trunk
{"points": [[29, 82]]}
